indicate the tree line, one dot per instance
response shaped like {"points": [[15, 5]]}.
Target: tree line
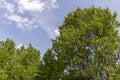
{"points": [[87, 48]]}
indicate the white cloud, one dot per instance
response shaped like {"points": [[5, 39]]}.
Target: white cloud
{"points": [[53, 2], [57, 32], [33, 5], [8, 6], [16, 18], [22, 22], [21, 13], [19, 46]]}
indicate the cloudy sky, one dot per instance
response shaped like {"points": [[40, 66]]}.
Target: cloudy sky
{"points": [[37, 21]]}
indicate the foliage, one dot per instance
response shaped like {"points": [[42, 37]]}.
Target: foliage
{"points": [[88, 45], [17, 64]]}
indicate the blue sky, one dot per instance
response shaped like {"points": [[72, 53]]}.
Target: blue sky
{"points": [[37, 21]]}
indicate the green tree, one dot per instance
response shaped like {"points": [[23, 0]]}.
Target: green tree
{"points": [[18, 64], [28, 59], [48, 68], [7, 50], [88, 45]]}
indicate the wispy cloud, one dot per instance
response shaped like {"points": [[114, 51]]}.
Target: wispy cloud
{"points": [[22, 22], [7, 6], [17, 11]]}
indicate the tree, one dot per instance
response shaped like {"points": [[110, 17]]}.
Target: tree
{"points": [[28, 59], [48, 69], [18, 64], [88, 45], [7, 50]]}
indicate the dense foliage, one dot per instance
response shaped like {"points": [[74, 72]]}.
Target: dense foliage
{"points": [[17, 64], [88, 48]]}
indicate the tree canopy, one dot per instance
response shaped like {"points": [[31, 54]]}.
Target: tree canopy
{"points": [[88, 45], [17, 64]]}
